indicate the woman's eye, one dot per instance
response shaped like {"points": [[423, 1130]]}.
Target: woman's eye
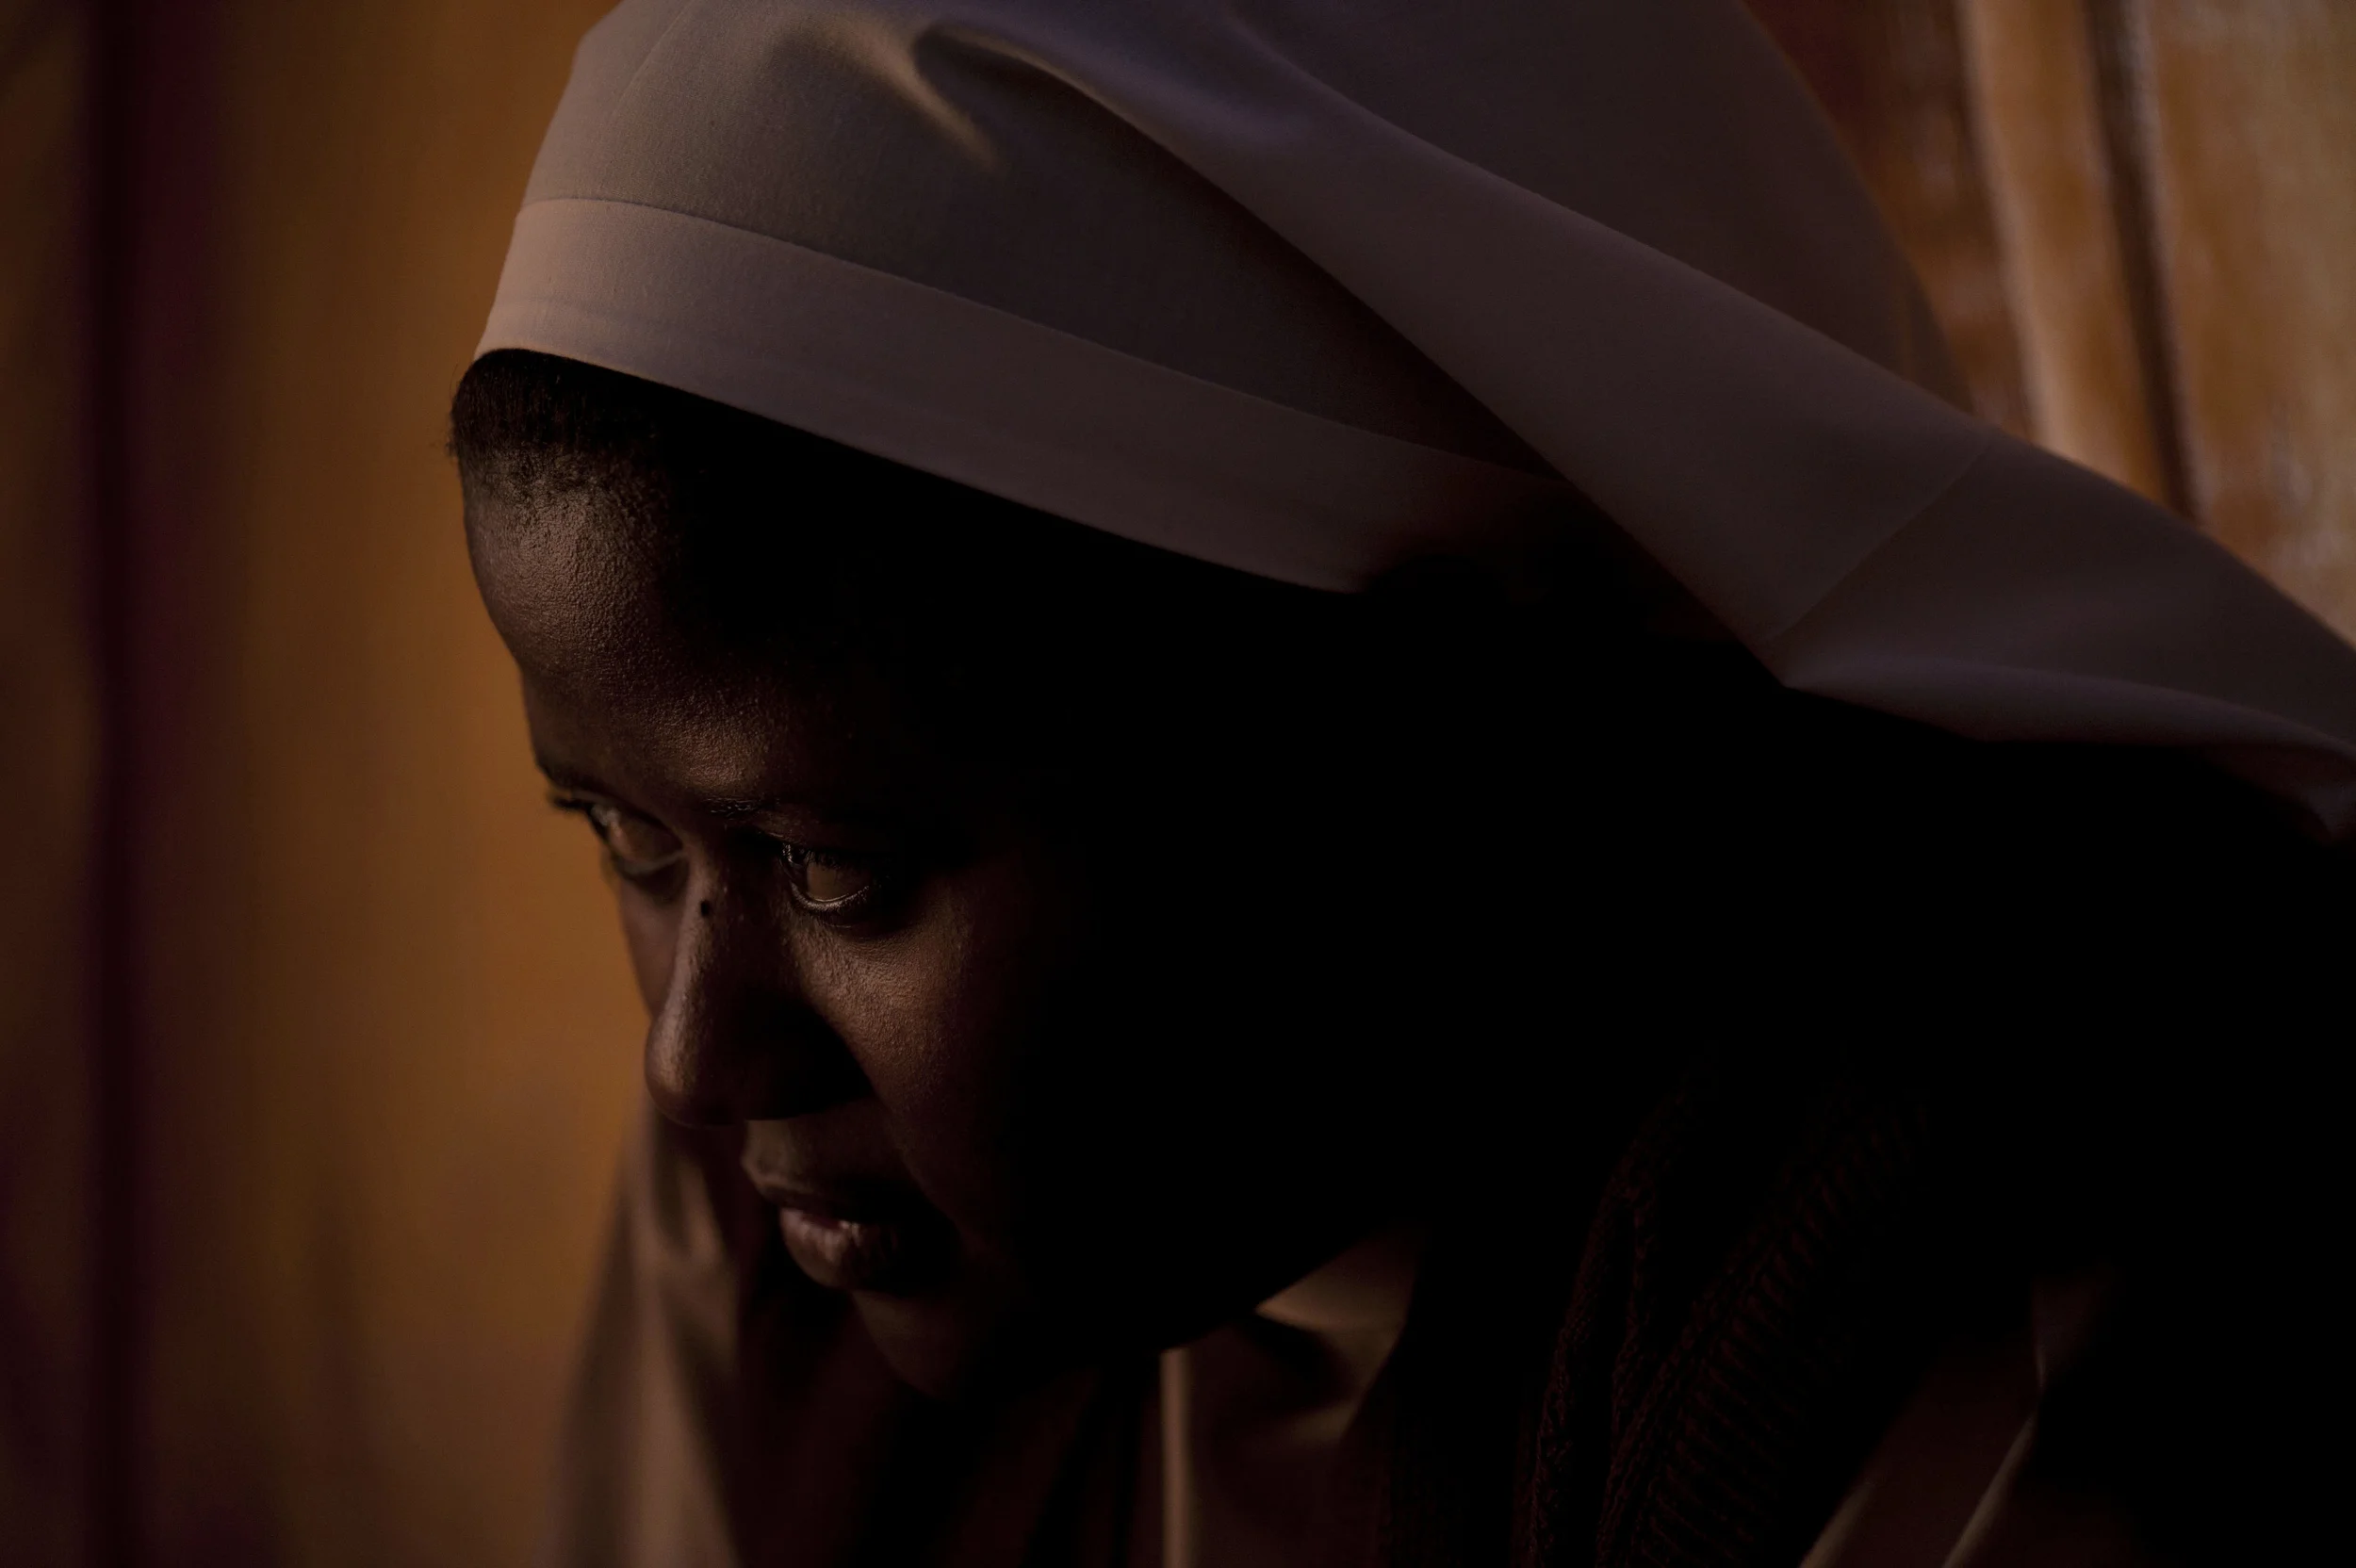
{"points": [[639, 848], [638, 844], [829, 882]]}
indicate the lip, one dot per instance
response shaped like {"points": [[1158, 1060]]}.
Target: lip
{"points": [[862, 1240], [844, 1254]]}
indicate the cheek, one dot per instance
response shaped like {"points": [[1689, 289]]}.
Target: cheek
{"points": [[1043, 1077], [951, 1020]]}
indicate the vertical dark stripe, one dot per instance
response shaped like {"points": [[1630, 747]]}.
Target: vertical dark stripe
{"points": [[112, 961], [151, 96], [2121, 87]]}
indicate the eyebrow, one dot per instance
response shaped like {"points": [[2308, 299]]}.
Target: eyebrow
{"points": [[568, 778], [736, 811], [726, 807]]}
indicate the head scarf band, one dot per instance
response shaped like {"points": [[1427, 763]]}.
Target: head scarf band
{"points": [[1309, 288]]}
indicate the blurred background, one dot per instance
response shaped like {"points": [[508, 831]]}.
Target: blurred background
{"points": [[315, 1043]]}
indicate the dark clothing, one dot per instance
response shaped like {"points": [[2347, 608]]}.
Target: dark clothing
{"points": [[1764, 1279]]}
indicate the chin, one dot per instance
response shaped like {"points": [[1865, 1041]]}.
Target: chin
{"points": [[955, 1349], [967, 1344]]}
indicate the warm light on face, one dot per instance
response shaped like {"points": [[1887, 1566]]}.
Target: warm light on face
{"points": [[1013, 1071]]}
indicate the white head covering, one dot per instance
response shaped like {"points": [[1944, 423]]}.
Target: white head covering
{"points": [[1309, 287]]}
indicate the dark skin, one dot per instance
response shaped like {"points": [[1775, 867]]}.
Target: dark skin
{"points": [[1040, 1047], [1068, 1002]]}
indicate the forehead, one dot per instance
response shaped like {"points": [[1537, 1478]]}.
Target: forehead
{"points": [[640, 667], [564, 586]]}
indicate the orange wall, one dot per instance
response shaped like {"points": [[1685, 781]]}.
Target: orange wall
{"points": [[387, 1044], [2250, 109], [48, 752]]}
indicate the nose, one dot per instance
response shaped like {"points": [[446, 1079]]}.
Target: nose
{"points": [[734, 1039]]}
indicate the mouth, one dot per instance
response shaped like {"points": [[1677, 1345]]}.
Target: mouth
{"points": [[863, 1242]]}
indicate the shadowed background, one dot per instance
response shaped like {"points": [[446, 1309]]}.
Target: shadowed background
{"points": [[315, 1043]]}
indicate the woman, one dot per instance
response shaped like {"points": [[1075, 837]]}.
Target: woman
{"points": [[1355, 831]]}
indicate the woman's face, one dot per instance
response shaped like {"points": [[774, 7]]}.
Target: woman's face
{"points": [[1030, 1058]]}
